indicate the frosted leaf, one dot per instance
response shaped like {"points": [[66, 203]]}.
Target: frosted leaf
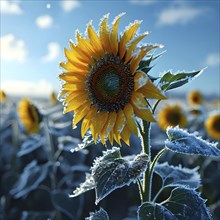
{"points": [[98, 215], [176, 176], [85, 186], [154, 211], [87, 141], [32, 176], [171, 81], [111, 171], [183, 204], [187, 204], [183, 142]]}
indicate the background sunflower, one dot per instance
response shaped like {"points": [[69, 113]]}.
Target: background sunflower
{"points": [[171, 115]]}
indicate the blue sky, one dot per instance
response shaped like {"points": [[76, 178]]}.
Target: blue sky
{"points": [[34, 33]]}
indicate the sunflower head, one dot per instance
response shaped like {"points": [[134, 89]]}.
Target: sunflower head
{"points": [[29, 116], [2, 96], [212, 125], [53, 98], [195, 98], [171, 116], [103, 84]]}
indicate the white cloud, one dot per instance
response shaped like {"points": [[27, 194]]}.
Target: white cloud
{"points": [[53, 52], [70, 5], [178, 15], [12, 48], [44, 21], [213, 59], [25, 88], [10, 7]]}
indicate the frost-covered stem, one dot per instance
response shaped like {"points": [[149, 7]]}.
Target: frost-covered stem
{"points": [[146, 148], [50, 150], [140, 189], [156, 158], [145, 136]]}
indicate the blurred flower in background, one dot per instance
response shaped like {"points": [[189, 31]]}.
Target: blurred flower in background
{"points": [[171, 115], [212, 125], [53, 98], [2, 97], [195, 98], [29, 116]]}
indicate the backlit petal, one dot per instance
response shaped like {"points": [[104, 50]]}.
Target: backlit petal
{"points": [[125, 135], [114, 34], [151, 91], [140, 79], [95, 41], [132, 45], [130, 118], [127, 36], [104, 34]]}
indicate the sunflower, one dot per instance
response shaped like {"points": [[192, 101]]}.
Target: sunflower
{"points": [[171, 116], [212, 125], [29, 116], [2, 96], [53, 98], [102, 82], [195, 98]]}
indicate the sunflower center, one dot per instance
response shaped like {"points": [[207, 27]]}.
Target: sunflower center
{"points": [[174, 118], [110, 83], [216, 125]]}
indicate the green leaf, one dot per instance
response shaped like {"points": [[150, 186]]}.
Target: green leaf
{"points": [[111, 171], [85, 186], [183, 204], [153, 211], [98, 215], [87, 141], [171, 81], [186, 204], [181, 141], [32, 176], [173, 176]]}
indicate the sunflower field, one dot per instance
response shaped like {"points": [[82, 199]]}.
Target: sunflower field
{"points": [[115, 143]]}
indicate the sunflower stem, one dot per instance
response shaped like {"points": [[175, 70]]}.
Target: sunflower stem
{"points": [[145, 135], [146, 148]]}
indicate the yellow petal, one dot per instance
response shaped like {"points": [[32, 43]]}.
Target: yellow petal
{"points": [[80, 54], [140, 79], [109, 125], [126, 37], [140, 107], [151, 91], [81, 112], [62, 93], [117, 138], [132, 45], [143, 51], [87, 120], [85, 46], [71, 68], [78, 100], [111, 137], [72, 78], [120, 122], [94, 40], [125, 135], [130, 118], [74, 87], [73, 95], [104, 34], [98, 122], [114, 34]]}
